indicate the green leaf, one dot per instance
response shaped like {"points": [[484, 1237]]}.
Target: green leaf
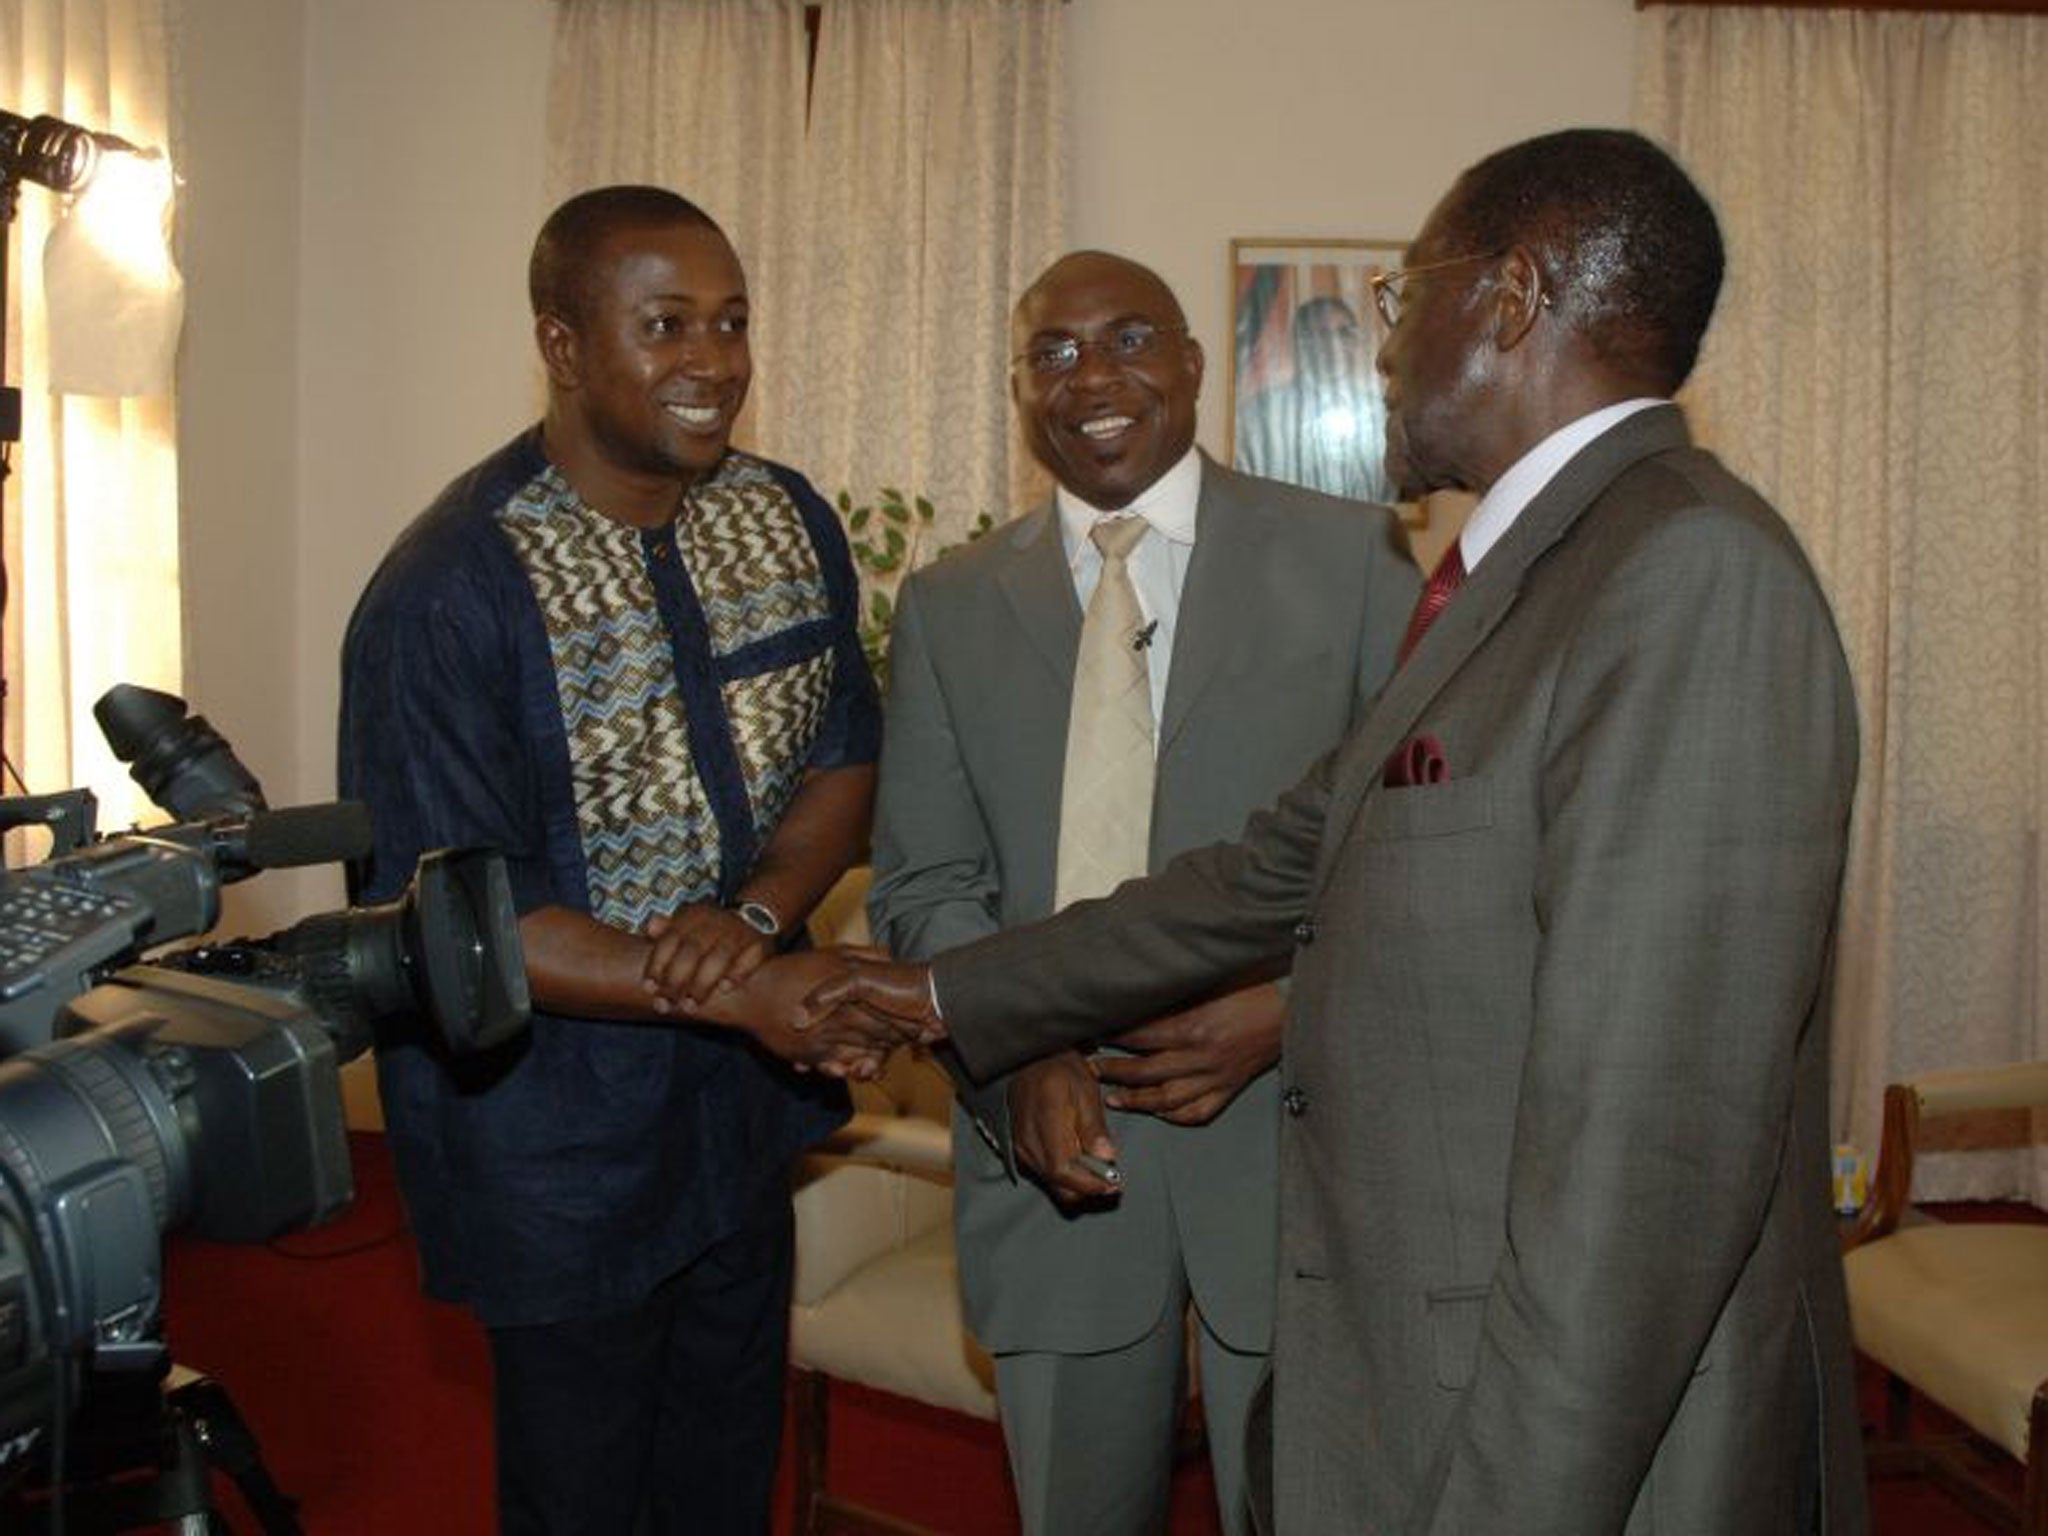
{"points": [[846, 501], [890, 493], [924, 510], [859, 520], [896, 542], [895, 511]]}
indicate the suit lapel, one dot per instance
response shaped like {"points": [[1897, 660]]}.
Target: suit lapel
{"points": [[1213, 622], [1480, 606], [1037, 585]]}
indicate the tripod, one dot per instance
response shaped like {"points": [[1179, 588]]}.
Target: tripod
{"points": [[144, 1445]]}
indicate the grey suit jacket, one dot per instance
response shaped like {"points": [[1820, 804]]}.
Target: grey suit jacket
{"points": [[1293, 607], [1556, 1246]]}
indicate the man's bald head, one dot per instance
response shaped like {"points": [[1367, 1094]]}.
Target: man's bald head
{"points": [[1105, 376], [1082, 266]]}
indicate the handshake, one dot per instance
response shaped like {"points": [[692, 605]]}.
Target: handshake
{"points": [[839, 1011]]}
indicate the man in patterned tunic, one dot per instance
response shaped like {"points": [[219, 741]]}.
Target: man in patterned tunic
{"points": [[624, 655]]}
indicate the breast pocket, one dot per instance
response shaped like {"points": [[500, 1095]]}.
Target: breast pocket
{"points": [[1429, 810], [1456, 1314], [1431, 856]]}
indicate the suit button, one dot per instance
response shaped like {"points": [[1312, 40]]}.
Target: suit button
{"points": [[1295, 1101], [1305, 932]]}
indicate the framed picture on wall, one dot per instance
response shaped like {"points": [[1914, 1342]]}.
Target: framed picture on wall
{"points": [[1305, 399]]}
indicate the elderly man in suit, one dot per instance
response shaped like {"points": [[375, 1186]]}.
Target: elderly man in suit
{"points": [[1265, 617], [1556, 1250]]}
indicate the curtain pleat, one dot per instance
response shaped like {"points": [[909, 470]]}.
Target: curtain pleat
{"points": [[91, 509], [885, 235], [705, 97], [936, 193], [1878, 367]]}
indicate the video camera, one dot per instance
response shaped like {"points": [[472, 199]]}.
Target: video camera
{"points": [[200, 1088]]}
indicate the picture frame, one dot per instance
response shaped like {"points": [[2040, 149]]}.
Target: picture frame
{"points": [[1305, 403]]}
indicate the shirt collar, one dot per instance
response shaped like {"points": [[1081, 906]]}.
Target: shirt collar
{"points": [[1528, 475], [1168, 504]]}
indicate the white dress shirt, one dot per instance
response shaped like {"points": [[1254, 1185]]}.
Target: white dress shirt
{"points": [[1514, 490]]}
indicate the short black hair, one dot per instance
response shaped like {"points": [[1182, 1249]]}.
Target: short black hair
{"points": [[558, 275], [1630, 249]]}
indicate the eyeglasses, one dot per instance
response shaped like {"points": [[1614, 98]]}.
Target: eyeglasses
{"points": [[1386, 286], [1055, 356]]}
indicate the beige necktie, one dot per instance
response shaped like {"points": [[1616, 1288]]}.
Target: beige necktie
{"points": [[1106, 795]]}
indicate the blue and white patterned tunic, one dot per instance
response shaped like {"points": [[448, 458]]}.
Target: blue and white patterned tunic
{"points": [[625, 714]]}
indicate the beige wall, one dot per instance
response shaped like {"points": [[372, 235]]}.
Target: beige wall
{"points": [[363, 181], [361, 185], [1196, 121], [235, 139], [422, 192]]}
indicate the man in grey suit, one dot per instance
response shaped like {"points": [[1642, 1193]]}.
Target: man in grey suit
{"points": [[1271, 616], [1556, 1247]]}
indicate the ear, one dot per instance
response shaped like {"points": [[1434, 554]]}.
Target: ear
{"points": [[558, 354], [1197, 359], [1518, 297]]}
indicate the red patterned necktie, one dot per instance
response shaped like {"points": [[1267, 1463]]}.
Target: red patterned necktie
{"points": [[1437, 592]]}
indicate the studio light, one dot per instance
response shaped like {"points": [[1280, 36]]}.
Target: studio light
{"points": [[65, 158], [104, 268], [49, 152]]}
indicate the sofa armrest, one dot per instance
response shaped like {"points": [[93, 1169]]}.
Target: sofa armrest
{"points": [[2019, 1085], [875, 1185], [908, 1142]]}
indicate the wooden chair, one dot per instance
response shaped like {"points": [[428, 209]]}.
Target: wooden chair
{"points": [[1957, 1312], [877, 1292], [877, 1297]]}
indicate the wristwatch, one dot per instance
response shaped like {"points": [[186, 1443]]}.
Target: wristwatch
{"points": [[760, 917]]}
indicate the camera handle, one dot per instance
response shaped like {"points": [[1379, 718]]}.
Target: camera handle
{"points": [[72, 815]]}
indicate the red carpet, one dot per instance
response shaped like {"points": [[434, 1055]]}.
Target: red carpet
{"points": [[373, 1406]]}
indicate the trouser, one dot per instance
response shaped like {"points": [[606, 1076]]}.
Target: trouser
{"points": [[659, 1419], [1091, 1437]]}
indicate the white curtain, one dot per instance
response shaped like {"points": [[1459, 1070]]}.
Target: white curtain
{"points": [[883, 246], [705, 97], [1880, 368], [936, 192], [91, 508]]}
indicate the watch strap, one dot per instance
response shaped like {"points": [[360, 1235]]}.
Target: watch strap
{"points": [[760, 917]]}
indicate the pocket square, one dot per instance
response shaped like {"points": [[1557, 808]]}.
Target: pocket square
{"points": [[1418, 760]]}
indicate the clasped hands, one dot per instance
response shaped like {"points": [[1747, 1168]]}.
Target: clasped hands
{"points": [[837, 1010], [1185, 1068], [842, 1010]]}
